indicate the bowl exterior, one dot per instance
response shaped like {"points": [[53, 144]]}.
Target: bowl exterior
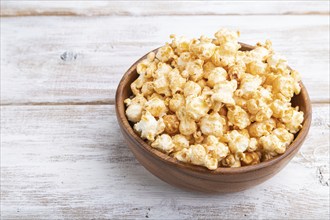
{"points": [[205, 182]]}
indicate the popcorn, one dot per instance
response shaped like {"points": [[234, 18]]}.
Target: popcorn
{"points": [[284, 135], [259, 54], [249, 84], [277, 141], [238, 117], [253, 145], [211, 163], [197, 154], [205, 102], [162, 70], [161, 85], [176, 81], [263, 94], [224, 54], [176, 102], [138, 99], [237, 70], [293, 119], [216, 149], [239, 101], [196, 107], [202, 83], [216, 75], [211, 140], [284, 85], [263, 114], [258, 129], [204, 50], [254, 105], [149, 127], [156, 107], [147, 89], [165, 53], [147, 66], [257, 68], [191, 88], [237, 142], [135, 108], [223, 92], [180, 142], [198, 137], [277, 62], [250, 158], [163, 143], [207, 68], [195, 69], [187, 126], [231, 161], [180, 44], [212, 124], [171, 124], [183, 59], [224, 35], [134, 112], [182, 155], [272, 144], [137, 84]]}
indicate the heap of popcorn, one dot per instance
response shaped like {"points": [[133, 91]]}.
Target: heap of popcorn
{"points": [[205, 102]]}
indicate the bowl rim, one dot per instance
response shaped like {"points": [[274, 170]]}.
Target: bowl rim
{"points": [[127, 128]]}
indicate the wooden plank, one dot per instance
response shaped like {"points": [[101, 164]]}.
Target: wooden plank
{"points": [[70, 162], [151, 8], [32, 71]]}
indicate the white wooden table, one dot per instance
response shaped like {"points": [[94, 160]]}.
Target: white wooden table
{"points": [[62, 154]]}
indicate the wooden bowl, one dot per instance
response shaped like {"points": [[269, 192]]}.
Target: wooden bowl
{"points": [[200, 178]]}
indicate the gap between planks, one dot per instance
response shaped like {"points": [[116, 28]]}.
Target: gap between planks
{"points": [[162, 8], [72, 14], [103, 102]]}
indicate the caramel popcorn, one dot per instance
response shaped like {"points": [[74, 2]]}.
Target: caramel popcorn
{"points": [[205, 102], [163, 143]]}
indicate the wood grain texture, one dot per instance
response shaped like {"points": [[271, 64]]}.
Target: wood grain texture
{"points": [[32, 71], [62, 159], [70, 162], [151, 8]]}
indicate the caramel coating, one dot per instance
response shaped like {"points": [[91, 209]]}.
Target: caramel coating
{"points": [[171, 124]]}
